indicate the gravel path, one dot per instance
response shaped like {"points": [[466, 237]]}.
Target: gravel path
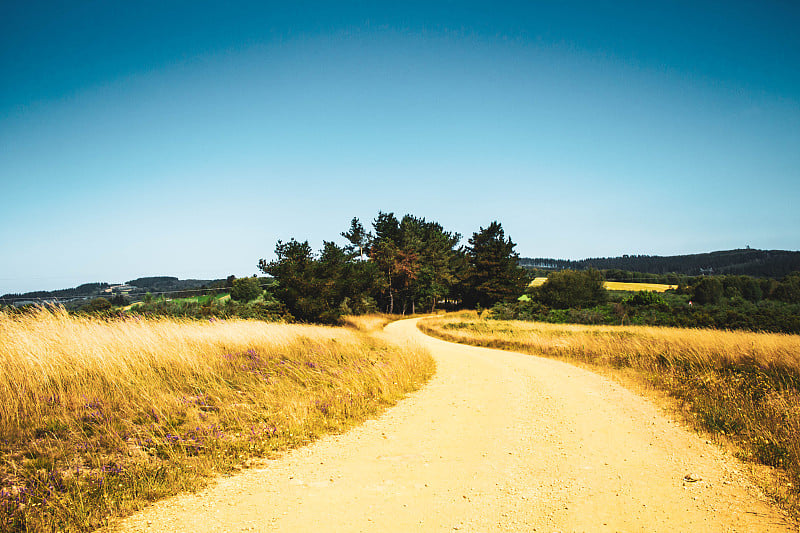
{"points": [[497, 441]]}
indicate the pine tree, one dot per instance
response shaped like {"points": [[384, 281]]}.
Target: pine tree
{"points": [[494, 273]]}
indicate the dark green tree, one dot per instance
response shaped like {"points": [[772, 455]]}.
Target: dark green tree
{"points": [[384, 251], [357, 237], [788, 290], [434, 271], [494, 273], [417, 260], [97, 305], [297, 287], [246, 289], [571, 289], [321, 289], [708, 290]]}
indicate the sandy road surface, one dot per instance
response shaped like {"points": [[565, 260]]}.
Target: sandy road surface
{"points": [[497, 441]]}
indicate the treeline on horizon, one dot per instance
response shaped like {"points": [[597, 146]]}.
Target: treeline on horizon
{"points": [[411, 264], [759, 263]]}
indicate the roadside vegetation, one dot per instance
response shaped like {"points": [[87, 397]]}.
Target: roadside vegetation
{"points": [[369, 323], [743, 385], [101, 415]]}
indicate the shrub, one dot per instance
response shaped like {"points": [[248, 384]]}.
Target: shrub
{"points": [[645, 298], [707, 291], [572, 289], [98, 305], [788, 290], [246, 289]]}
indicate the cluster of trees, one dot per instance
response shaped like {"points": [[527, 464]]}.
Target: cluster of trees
{"points": [[571, 289], [401, 265], [713, 289]]}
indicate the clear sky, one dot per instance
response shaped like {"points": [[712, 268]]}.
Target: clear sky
{"points": [[185, 138]]}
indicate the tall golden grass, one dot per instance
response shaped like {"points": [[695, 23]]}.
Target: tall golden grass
{"points": [[368, 323], [742, 384], [98, 417]]}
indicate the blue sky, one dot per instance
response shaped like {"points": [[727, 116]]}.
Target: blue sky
{"points": [[186, 138]]}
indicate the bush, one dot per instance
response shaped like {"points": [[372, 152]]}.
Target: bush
{"points": [[98, 305], [788, 290], [245, 289], [572, 289], [645, 298], [708, 291]]}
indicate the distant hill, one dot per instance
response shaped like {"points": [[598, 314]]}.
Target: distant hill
{"points": [[751, 262], [166, 283], [133, 288]]}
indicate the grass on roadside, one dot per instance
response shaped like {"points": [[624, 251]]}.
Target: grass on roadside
{"points": [[741, 384], [368, 323], [99, 417]]}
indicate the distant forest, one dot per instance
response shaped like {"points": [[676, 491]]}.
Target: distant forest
{"points": [[760, 263]]}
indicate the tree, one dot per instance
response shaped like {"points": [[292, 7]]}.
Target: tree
{"points": [[97, 305], [494, 274], [119, 299], [788, 290], [246, 289], [571, 289], [417, 260], [321, 289], [357, 237], [707, 291], [297, 285], [435, 258], [384, 250]]}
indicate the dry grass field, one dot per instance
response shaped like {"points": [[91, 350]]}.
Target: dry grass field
{"points": [[99, 417], [741, 384], [620, 286], [368, 323]]}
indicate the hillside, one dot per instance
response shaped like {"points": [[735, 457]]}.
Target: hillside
{"points": [[751, 262], [135, 287]]}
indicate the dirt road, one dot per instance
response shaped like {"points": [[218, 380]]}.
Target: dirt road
{"points": [[497, 441]]}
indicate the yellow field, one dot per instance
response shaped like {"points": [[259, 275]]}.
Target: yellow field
{"points": [[99, 416], [620, 286], [624, 286]]}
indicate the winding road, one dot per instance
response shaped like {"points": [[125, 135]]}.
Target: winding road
{"points": [[496, 441]]}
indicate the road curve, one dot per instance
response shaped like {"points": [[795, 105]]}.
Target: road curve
{"points": [[497, 441]]}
